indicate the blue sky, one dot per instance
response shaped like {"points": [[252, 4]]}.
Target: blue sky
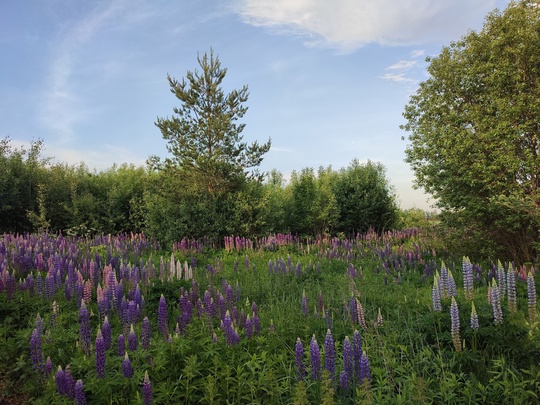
{"points": [[328, 79]]}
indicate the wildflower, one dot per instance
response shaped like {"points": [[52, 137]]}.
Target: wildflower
{"points": [[474, 318], [147, 390], [436, 295], [329, 354], [48, 366], [106, 332], [352, 309], [35, 351], [365, 373], [127, 368], [379, 318], [60, 379], [531, 297], [468, 284], [496, 303], [100, 355], [501, 279], [357, 354], [315, 355], [145, 335], [305, 309], [299, 353], [121, 344], [133, 343], [84, 321], [256, 324], [249, 327], [360, 313], [348, 365], [511, 288], [80, 396], [162, 317], [454, 315]]}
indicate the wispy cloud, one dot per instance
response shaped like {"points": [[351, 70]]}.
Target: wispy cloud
{"points": [[349, 24], [402, 65], [398, 77]]}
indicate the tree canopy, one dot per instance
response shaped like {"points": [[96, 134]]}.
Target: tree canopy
{"points": [[474, 130]]}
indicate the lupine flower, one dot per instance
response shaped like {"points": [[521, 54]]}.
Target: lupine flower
{"points": [[70, 383], [133, 343], [357, 354], [436, 295], [365, 373], [379, 318], [106, 332], [60, 379], [54, 316], [474, 318], [299, 354], [454, 315], [315, 355], [452, 288], [35, 351], [328, 318], [344, 380], [330, 354], [39, 325], [360, 313], [352, 309], [48, 366], [145, 335], [348, 359], [84, 321], [468, 283], [511, 288], [121, 344], [80, 396], [256, 324], [531, 297], [163, 321], [305, 309], [127, 368], [249, 327], [100, 355], [147, 390], [496, 303], [501, 279]]}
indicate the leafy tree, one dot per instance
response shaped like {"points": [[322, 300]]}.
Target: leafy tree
{"points": [[474, 132], [203, 136]]}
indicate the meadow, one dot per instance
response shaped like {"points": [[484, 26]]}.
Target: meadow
{"points": [[378, 318]]}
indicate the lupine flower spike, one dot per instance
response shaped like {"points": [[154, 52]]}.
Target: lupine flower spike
{"points": [[315, 354], [531, 298], [299, 355], [330, 354], [80, 396], [147, 390], [454, 315], [474, 318], [511, 289]]}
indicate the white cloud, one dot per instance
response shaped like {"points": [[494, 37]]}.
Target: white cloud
{"points": [[349, 24], [402, 65], [399, 77]]}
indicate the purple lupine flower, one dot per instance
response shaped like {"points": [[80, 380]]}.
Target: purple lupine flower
{"points": [[145, 335], [163, 321], [48, 366], [320, 303], [121, 344], [357, 354], [106, 333], [501, 279], [247, 262], [147, 390], [474, 318], [100, 355], [348, 359], [344, 380], [133, 343], [454, 316], [70, 383], [256, 324], [127, 368], [315, 355], [436, 295], [511, 288], [330, 354], [496, 303], [305, 309], [328, 318], [249, 327], [80, 396], [254, 308], [35, 351], [452, 288], [84, 321], [39, 325], [60, 379], [228, 329], [299, 354], [531, 297], [468, 283], [365, 373]]}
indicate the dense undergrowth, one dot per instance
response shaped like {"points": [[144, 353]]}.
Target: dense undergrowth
{"points": [[393, 317]]}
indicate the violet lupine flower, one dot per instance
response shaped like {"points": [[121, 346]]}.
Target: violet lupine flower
{"points": [[468, 283], [256, 324], [61, 383], [357, 354], [344, 380], [127, 368], [474, 318], [249, 327], [452, 288], [84, 321], [147, 390], [454, 316], [496, 303], [254, 308], [80, 396], [133, 343], [121, 344], [299, 356], [315, 355], [511, 288], [365, 373], [436, 295], [305, 309], [328, 318], [228, 329], [48, 366], [70, 383], [247, 262], [330, 354], [320, 303], [35, 351], [163, 321], [443, 281], [100, 355], [145, 335], [87, 291], [39, 325], [501, 280], [348, 359], [106, 332], [531, 297]]}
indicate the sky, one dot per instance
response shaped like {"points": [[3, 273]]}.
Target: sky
{"points": [[328, 79]]}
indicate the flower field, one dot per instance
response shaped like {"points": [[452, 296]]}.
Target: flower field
{"points": [[390, 318]]}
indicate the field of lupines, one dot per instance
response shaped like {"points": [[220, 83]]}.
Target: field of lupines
{"points": [[389, 318]]}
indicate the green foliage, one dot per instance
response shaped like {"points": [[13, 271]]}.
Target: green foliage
{"points": [[474, 130]]}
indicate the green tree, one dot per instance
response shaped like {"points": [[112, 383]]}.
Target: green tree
{"points": [[204, 136], [474, 133]]}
